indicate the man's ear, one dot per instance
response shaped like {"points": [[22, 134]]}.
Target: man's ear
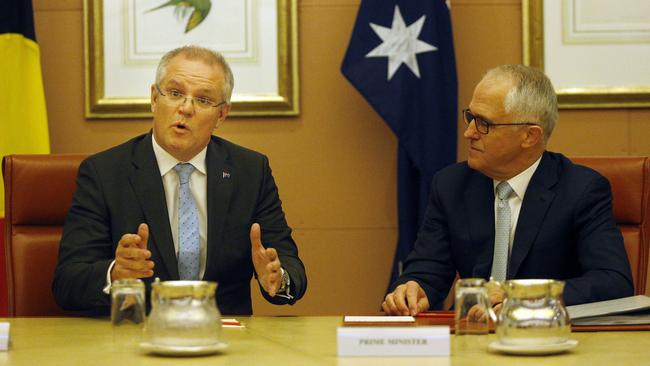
{"points": [[154, 98], [534, 135], [223, 113]]}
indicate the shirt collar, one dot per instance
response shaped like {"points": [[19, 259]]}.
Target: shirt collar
{"points": [[519, 182], [167, 162]]}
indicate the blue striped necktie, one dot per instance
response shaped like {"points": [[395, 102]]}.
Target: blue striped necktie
{"points": [[502, 233], [188, 226]]}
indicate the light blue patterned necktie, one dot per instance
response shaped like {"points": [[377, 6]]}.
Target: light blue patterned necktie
{"points": [[502, 233], [188, 226]]}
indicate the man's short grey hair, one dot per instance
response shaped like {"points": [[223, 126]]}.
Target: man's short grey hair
{"points": [[532, 97], [206, 55]]}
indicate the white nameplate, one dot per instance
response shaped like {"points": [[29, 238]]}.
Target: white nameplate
{"points": [[393, 341], [378, 319], [4, 336]]}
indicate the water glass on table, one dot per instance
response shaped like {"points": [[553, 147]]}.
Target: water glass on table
{"points": [[471, 317], [127, 312]]}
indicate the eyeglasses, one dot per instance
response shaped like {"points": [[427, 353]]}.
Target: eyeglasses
{"points": [[483, 125], [176, 98]]}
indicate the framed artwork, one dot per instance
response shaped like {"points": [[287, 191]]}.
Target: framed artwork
{"points": [[125, 39], [595, 52]]}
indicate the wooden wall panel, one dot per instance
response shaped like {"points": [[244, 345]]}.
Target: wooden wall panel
{"points": [[335, 163]]}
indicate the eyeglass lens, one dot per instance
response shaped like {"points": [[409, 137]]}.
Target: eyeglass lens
{"points": [[480, 124]]}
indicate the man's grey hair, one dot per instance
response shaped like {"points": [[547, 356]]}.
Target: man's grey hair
{"points": [[206, 55], [532, 97]]}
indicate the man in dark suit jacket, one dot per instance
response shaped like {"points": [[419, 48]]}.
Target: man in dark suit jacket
{"points": [[124, 220], [561, 222]]}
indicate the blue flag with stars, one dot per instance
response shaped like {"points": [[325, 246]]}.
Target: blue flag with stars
{"points": [[401, 59]]}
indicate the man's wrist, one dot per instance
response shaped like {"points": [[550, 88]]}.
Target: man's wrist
{"points": [[285, 282]]}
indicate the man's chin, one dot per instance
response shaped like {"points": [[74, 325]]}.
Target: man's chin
{"points": [[473, 163]]}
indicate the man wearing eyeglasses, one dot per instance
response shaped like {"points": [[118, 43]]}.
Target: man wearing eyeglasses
{"points": [[179, 203], [513, 209]]}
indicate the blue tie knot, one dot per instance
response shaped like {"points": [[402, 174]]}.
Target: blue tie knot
{"points": [[504, 190], [184, 170]]}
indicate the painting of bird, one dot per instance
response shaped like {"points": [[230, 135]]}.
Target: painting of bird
{"points": [[199, 11]]}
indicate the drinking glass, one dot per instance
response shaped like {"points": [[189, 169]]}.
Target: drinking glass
{"points": [[472, 318], [127, 312]]}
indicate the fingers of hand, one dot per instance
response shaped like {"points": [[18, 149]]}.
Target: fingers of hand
{"points": [[385, 308], [389, 306], [399, 298], [423, 303], [131, 269], [273, 268], [475, 313], [143, 233], [272, 255], [273, 283], [256, 237], [133, 253], [413, 293], [131, 261], [497, 308], [134, 264], [495, 295], [129, 240], [120, 273]]}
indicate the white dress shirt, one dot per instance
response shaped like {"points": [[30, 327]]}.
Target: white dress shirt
{"points": [[519, 184]]}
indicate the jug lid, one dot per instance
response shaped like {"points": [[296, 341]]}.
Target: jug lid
{"points": [[534, 288], [180, 289]]}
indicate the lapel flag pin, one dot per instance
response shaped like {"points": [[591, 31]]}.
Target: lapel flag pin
{"points": [[225, 175]]}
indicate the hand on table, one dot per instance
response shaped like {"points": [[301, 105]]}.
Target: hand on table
{"points": [[495, 297], [407, 299]]}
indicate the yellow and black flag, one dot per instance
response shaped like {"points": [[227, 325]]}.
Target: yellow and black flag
{"points": [[23, 125]]}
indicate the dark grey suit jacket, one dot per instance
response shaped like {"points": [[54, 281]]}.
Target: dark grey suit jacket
{"points": [[120, 188], [565, 231]]}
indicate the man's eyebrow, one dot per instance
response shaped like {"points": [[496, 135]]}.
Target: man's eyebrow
{"points": [[478, 115], [173, 82]]}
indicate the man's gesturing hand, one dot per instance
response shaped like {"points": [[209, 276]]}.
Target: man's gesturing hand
{"points": [[266, 263], [407, 299], [132, 256]]}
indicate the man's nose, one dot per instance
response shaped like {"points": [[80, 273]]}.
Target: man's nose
{"points": [[471, 133], [187, 106]]}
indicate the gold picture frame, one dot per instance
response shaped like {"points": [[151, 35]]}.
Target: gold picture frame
{"points": [[575, 97], [284, 102]]}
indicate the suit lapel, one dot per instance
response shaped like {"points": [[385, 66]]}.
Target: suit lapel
{"points": [[221, 178], [536, 203], [148, 187], [479, 202]]}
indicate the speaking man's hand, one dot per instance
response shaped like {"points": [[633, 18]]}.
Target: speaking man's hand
{"points": [[407, 299], [132, 257], [266, 262]]}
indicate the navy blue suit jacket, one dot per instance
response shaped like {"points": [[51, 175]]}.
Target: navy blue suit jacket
{"points": [[120, 188], [565, 231]]}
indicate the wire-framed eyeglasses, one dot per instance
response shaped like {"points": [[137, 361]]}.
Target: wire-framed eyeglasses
{"points": [[176, 98], [483, 125]]}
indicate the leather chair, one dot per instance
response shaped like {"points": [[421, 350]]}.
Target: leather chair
{"points": [[630, 180], [38, 192]]}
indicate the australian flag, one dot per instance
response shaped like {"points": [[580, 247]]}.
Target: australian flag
{"points": [[401, 59]]}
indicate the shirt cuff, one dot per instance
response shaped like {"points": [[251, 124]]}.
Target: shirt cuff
{"points": [[107, 287]]}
